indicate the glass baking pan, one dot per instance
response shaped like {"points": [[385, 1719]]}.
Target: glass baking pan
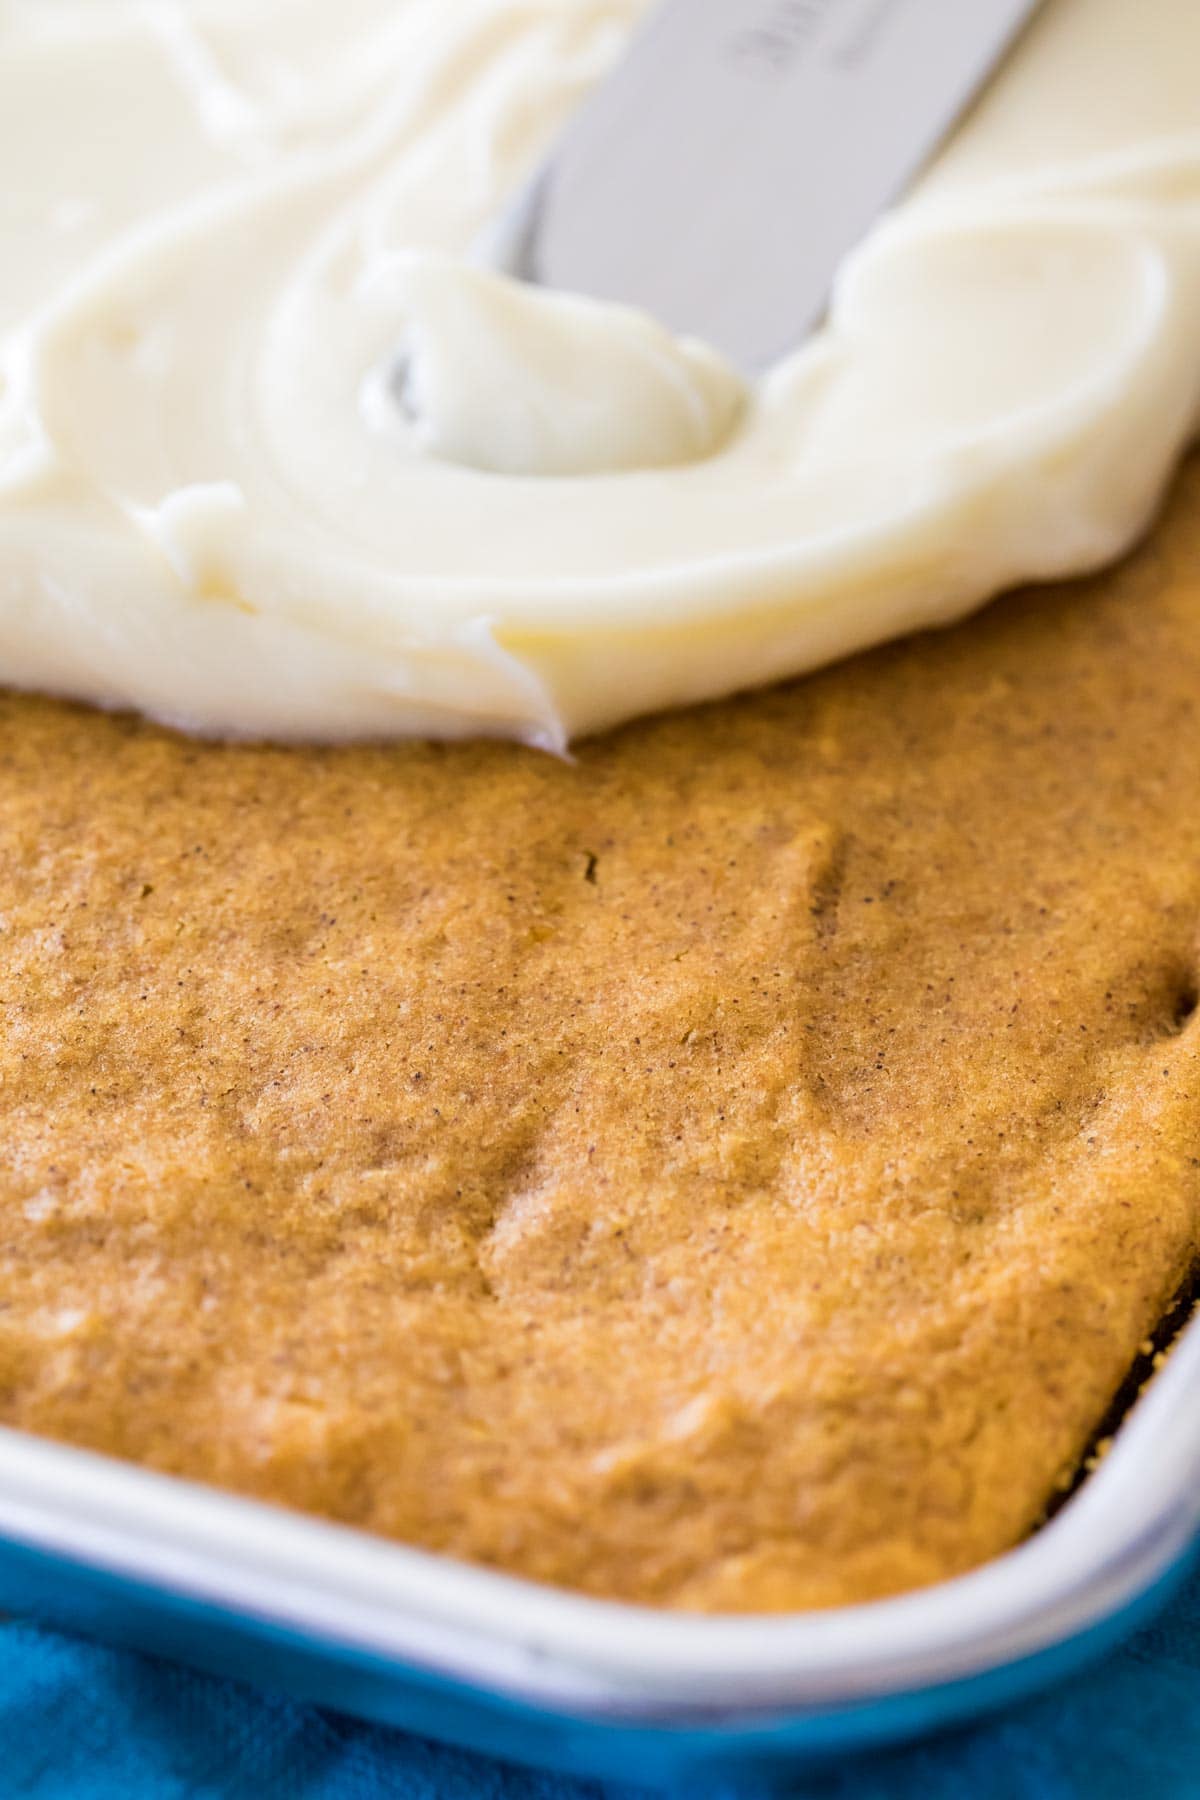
{"points": [[578, 1685]]}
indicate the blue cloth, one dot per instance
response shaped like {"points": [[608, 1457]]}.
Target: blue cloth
{"points": [[79, 1722]]}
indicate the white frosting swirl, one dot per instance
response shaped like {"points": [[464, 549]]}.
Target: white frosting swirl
{"points": [[274, 459]]}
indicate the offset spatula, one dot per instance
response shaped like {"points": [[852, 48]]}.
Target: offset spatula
{"points": [[741, 149]]}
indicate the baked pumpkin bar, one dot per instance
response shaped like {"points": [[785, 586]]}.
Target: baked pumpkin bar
{"points": [[733, 1169]]}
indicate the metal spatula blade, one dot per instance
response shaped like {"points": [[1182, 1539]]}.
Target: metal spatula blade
{"points": [[742, 148]]}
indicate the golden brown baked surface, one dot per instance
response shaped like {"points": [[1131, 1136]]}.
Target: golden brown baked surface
{"points": [[734, 1170]]}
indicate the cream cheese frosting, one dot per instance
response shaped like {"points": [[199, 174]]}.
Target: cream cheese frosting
{"points": [[278, 459]]}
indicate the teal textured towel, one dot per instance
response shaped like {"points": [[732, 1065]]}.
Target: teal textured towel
{"points": [[79, 1722]]}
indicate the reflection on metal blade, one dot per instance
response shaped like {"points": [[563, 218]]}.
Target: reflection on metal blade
{"points": [[743, 147]]}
